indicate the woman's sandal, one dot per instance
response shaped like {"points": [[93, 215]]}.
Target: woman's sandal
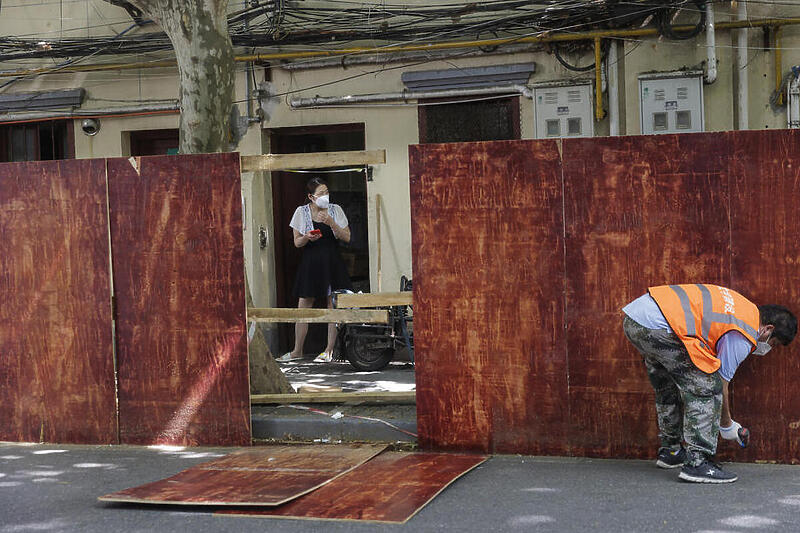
{"points": [[324, 357]]}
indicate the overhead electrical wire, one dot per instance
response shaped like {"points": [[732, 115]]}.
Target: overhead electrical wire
{"points": [[272, 23], [613, 20]]}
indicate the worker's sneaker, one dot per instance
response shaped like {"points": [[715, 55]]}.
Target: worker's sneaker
{"points": [[670, 458], [706, 472]]}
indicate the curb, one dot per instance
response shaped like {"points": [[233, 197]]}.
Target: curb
{"points": [[321, 427]]}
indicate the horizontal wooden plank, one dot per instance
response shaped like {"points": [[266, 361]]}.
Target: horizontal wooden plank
{"points": [[402, 397], [339, 316], [374, 299], [252, 163]]}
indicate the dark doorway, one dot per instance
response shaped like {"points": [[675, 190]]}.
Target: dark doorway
{"points": [[348, 189], [155, 142]]}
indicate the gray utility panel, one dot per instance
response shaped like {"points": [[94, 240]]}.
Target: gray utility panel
{"points": [[563, 111], [671, 104]]}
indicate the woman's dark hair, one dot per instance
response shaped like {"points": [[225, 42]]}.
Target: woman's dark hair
{"points": [[313, 183], [784, 321]]}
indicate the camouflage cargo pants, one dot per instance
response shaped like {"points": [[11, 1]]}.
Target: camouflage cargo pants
{"points": [[688, 401]]}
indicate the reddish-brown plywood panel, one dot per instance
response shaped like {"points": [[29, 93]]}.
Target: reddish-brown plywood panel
{"points": [[488, 298], [176, 234], [391, 487], [765, 178], [262, 476], [56, 359], [639, 211]]}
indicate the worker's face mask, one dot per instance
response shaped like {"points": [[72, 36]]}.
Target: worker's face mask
{"points": [[322, 201]]}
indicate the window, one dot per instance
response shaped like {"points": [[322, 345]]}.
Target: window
{"points": [[574, 126], [659, 121], [683, 120], [37, 141], [553, 127], [486, 120]]}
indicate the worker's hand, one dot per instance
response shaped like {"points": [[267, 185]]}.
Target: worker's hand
{"points": [[312, 236], [325, 217], [736, 432]]}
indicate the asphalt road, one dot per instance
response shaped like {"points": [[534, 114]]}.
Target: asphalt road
{"points": [[55, 488]]}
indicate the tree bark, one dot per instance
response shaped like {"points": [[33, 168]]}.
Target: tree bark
{"points": [[198, 30], [266, 377]]}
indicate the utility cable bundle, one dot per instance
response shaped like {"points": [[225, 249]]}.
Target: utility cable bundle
{"points": [[335, 23]]}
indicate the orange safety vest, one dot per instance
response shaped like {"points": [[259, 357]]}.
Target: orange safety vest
{"points": [[700, 314]]}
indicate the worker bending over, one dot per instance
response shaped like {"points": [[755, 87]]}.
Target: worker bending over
{"points": [[692, 338]]}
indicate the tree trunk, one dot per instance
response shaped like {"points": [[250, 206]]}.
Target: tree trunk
{"points": [[198, 30], [266, 376]]}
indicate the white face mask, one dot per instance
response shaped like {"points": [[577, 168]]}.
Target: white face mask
{"points": [[323, 201]]}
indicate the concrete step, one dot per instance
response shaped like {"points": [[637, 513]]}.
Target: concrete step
{"points": [[332, 423]]}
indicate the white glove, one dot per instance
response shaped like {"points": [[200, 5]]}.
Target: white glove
{"points": [[732, 432]]}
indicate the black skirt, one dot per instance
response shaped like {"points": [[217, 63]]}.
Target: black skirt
{"points": [[321, 269]]}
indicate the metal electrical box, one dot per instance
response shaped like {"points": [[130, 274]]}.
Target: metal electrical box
{"points": [[564, 111], [671, 104]]}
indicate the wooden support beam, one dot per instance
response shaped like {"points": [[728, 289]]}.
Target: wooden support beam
{"points": [[373, 299], [339, 316], [272, 162], [404, 397]]}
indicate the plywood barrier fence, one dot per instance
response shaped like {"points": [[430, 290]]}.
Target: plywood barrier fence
{"points": [[164, 233], [524, 253]]}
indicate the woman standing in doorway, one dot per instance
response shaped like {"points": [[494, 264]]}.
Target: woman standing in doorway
{"points": [[317, 227]]}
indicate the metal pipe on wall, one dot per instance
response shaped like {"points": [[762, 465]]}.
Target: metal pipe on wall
{"points": [[613, 88], [778, 61], [793, 107], [404, 96], [388, 56], [598, 80], [741, 61], [711, 45]]}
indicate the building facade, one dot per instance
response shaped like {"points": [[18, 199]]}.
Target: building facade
{"points": [[391, 94]]}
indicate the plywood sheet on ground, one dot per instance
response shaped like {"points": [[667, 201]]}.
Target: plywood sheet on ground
{"points": [[56, 360], [176, 234], [391, 487], [488, 301], [637, 213], [260, 476]]}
